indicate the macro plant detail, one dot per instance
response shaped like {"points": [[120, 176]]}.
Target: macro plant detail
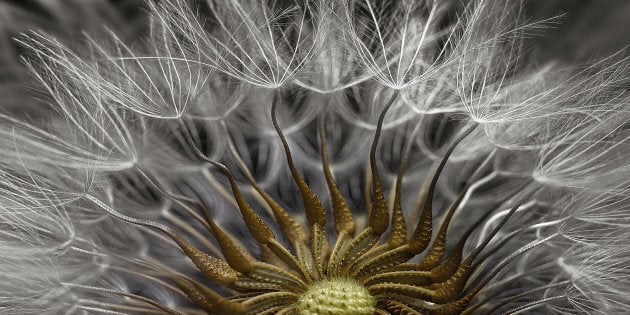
{"points": [[316, 157]]}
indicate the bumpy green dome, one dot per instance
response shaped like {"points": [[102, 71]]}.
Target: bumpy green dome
{"points": [[336, 296]]}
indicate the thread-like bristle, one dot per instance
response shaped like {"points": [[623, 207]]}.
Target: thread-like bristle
{"points": [[291, 229], [341, 213], [315, 213], [379, 216], [398, 234], [424, 230]]}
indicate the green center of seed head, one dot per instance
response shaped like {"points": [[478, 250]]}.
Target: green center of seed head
{"points": [[336, 297]]}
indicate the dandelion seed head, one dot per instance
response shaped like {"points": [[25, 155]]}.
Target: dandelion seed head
{"points": [[253, 157]]}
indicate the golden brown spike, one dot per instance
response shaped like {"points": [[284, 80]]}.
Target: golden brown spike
{"points": [[341, 213], [268, 256], [276, 275], [455, 284], [304, 255], [236, 256], [400, 308], [379, 216], [422, 235], [451, 308], [264, 301], [367, 191], [404, 289], [450, 289], [436, 253], [411, 277], [193, 294], [278, 310], [448, 268], [289, 259], [359, 245], [291, 229], [216, 302], [290, 310], [373, 252], [213, 268], [398, 234], [461, 303], [382, 261], [258, 228], [333, 261], [319, 248], [422, 196], [315, 213], [454, 261], [248, 284], [261, 232]]}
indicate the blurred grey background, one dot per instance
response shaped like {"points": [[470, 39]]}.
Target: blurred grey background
{"points": [[585, 29], [66, 19]]}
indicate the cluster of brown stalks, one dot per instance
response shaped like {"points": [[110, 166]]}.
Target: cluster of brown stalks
{"points": [[440, 282]]}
